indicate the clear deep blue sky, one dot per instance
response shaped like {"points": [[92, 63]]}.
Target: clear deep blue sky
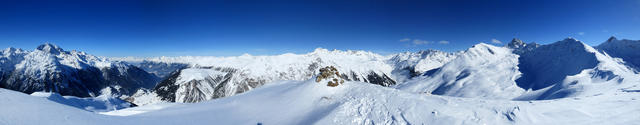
{"points": [[227, 28]]}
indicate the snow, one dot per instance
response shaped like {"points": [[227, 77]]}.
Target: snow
{"points": [[483, 71], [101, 103], [50, 68], [625, 49], [575, 69], [421, 62], [308, 102], [145, 97], [575, 84], [247, 72], [567, 68], [359, 62], [22, 109], [139, 110]]}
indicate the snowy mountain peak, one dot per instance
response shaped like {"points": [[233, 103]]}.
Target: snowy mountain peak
{"points": [[321, 51], [481, 45], [571, 44], [49, 68], [10, 50], [50, 48], [570, 39]]}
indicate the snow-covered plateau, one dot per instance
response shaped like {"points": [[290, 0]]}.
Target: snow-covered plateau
{"points": [[565, 82]]}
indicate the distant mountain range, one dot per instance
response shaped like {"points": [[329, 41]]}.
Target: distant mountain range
{"points": [[49, 68], [517, 71]]}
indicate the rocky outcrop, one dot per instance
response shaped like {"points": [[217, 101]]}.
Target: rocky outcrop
{"points": [[330, 75], [204, 83]]}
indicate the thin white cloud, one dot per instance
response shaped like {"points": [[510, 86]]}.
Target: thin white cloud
{"points": [[443, 42], [580, 33], [416, 42], [404, 40], [420, 42], [495, 41]]}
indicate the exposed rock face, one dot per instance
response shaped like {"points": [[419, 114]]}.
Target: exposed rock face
{"points": [[331, 74], [204, 83], [519, 47]]}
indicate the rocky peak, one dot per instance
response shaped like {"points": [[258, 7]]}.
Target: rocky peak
{"points": [[331, 75], [516, 43], [612, 38]]}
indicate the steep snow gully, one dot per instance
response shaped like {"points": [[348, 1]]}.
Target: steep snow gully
{"points": [[565, 82]]}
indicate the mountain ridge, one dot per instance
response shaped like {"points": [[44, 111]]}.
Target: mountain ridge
{"points": [[49, 68]]}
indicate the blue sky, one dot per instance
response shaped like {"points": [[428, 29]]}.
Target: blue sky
{"points": [[228, 28]]}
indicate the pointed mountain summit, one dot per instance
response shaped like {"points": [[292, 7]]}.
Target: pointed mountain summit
{"points": [[520, 46], [50, 48], [516, 43], [611, 39]]}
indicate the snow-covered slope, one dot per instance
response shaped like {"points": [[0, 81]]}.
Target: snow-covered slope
{"points": [[101, 103], [570, 68], [483, 71], [50, 68], [567, 68], [628, 50], [410, 64], [309, 102]]}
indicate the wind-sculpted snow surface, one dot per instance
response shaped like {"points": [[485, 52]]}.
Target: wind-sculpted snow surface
{"points": [[50, 68]]}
